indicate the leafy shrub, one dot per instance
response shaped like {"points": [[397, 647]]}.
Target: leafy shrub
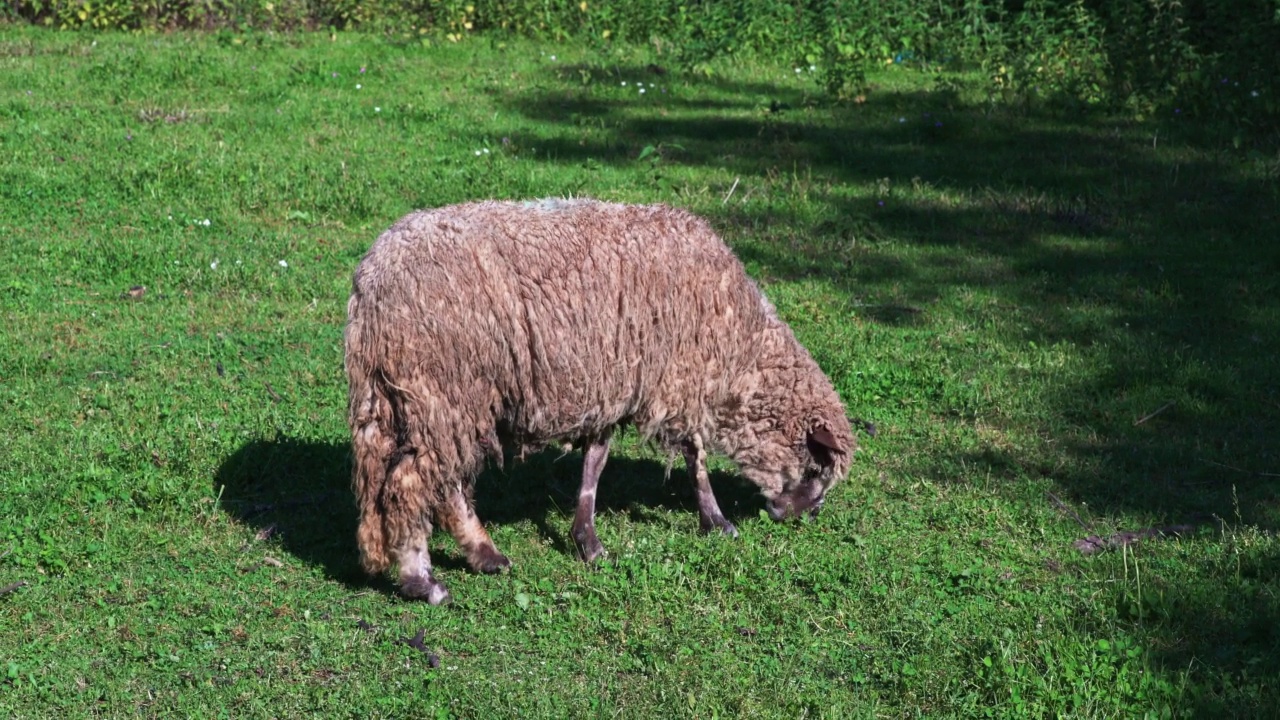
{"points": [[163, 14], [1213, 57], [1051, 49]]}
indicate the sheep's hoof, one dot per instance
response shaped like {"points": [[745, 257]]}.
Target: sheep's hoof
{"points": [[488, 561], [724, 527], [425, 588], [591, 554], [589, 547]]}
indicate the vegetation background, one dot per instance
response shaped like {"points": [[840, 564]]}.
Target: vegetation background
{"points": [[1033, 241], [1142, 55]]}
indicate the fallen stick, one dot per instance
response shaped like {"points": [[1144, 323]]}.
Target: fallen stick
{"points": [[12, 587], [1154, 413], [1063, 507], [1246, 472], [735, 187], [1096, 543]]}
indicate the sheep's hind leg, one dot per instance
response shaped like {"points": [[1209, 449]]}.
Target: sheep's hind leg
{"points": [[459, 516], [407, 520], [709, 516], [584, 520], [416, 580]]}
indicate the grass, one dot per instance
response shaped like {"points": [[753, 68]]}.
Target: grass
{"points": [[1010, 294]]}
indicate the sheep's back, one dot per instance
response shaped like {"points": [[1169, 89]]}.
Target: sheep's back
{"points": [[560, 318]]}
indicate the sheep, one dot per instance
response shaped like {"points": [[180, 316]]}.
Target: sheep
{"points": [[490, 325]]}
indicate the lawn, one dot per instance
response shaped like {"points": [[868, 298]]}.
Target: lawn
{"points": [[1064, 325]]}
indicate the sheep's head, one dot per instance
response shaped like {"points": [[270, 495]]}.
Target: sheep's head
{"points": [[786, 428], [794, 474], [823, 461]]}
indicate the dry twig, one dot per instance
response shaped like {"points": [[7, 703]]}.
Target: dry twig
{"points": [[730, 194], [1063, 507], [1096, 543], [1154, 413], [12, 587], [1242, 470]]}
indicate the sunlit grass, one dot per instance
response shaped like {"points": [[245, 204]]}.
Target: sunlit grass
{"points": [[1060, 327]]}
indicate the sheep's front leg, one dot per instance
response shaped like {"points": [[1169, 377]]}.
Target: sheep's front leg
{"points": [[709, 516], [459, 515], [584, 520]]}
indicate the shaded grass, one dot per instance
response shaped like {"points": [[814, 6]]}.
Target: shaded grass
{"points": [[1005, 294]]}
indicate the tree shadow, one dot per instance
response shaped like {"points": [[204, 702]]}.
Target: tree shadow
{"points": [[1081, 233], [298, 493], [1076, 232]]}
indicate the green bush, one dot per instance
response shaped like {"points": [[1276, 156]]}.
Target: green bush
{"points": [[1216, 58], [164, 14], [1050, 49]]}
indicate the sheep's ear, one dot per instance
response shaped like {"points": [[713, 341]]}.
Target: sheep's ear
{"points": [[822, 444]]}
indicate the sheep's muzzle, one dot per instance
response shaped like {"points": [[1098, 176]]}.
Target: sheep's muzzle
{"points": [[804, 501]]}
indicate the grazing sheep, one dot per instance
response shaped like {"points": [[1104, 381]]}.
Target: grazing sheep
{"points": [[481, 326]]}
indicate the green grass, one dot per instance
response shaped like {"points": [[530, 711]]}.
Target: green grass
{"points": [[1005, 292]]}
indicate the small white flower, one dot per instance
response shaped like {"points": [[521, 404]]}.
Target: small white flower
{"points": [[175, 262], [358, 86], [902, 119], [639, 84], [553, 58], [1254, 93], [284, 263], [797, 71], [170, 217], [813, 68], [624, 83], [206, 222], [377, 109], [213, 265], [477, 153], [237, 262], [641, 91], [486, 151]]}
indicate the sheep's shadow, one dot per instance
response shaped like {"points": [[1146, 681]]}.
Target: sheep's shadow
{"points": [[297, 494]]}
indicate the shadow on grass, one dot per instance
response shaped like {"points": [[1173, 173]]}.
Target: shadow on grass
{"points": [[1159, 267], [299, 494]]}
